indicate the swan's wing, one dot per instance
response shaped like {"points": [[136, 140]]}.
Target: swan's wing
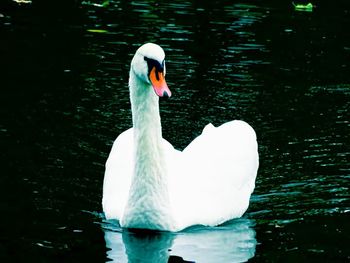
{"points": [[118, 174], [219, 171], [229, 150]]}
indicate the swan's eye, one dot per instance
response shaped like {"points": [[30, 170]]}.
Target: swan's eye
{"points": [[152, 63]]}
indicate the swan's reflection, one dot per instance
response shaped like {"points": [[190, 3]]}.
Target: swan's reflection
{"points": [[233, 242]]}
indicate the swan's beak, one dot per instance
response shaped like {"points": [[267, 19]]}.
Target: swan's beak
{"points": [[159, 84]]}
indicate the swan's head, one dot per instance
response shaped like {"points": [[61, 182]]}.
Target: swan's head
{"points": [[148, 64]]}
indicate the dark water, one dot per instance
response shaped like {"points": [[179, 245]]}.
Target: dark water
{"points": [[64, 99]]}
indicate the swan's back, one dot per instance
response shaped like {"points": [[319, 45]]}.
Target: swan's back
{"points": [[217, 175]]}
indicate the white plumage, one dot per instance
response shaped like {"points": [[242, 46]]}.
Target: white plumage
{"points": [[150, 185]]}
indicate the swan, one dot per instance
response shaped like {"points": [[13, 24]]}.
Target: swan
{"points": [[150, 185]]}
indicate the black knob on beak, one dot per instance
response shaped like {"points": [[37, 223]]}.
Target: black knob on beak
{"points": [[165, 95]]}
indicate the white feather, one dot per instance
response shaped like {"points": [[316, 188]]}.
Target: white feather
{"points": [[148, 184]]}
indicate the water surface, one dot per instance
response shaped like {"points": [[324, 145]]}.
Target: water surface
{"points": [[65, 99]]}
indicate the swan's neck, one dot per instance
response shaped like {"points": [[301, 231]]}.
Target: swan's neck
{"points": [[148, 202]]}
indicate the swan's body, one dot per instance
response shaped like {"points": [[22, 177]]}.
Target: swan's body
{"points": [[148, 184]]}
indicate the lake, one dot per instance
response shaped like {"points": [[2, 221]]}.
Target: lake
{"points": [[64, 99]]}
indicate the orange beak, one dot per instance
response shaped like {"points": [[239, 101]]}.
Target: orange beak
{"points": [[159, 84]]}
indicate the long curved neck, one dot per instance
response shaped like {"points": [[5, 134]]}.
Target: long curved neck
{"points": [[148, 202], [145, 108]]}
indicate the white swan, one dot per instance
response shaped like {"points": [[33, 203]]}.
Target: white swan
{"points": [[150, 185]]}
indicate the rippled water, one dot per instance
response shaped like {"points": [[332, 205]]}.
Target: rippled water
{"points": [[65, 99]]}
